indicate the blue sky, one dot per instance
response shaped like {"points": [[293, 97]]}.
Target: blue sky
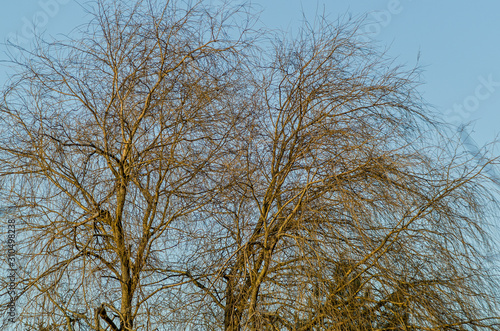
{"points": [[458, 42]]}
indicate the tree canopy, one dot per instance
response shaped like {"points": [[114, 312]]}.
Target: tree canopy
{"points": [[171, 167]]}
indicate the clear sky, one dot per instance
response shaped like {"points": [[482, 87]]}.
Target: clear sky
{"points": [[458, 42]]}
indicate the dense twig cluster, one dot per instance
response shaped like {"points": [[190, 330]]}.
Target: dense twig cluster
{"points": [[169, 174]]}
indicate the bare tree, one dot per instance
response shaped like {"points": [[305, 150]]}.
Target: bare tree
{"points": [[345, 209], [105, 141], [167, 175]]}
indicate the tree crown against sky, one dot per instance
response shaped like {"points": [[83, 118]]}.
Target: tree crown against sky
{"points": [[174, 168]]}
